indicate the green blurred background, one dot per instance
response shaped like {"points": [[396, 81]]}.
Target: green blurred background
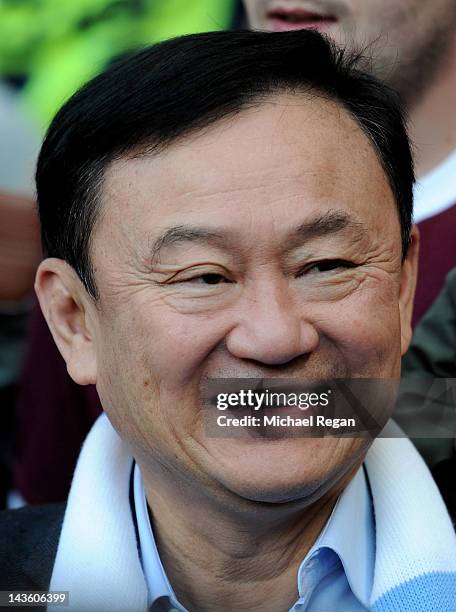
{"points": [[48, 48]]}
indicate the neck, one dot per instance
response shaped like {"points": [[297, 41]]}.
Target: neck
{"points": [[229, 553], [432, 125]]}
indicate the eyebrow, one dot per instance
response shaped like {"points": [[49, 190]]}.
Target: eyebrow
{"points": [[329, 223], [181, 234]]}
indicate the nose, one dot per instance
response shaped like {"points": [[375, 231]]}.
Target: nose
{"points": [[272, 329]]}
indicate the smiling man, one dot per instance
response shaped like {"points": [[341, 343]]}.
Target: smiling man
{"points": [[192, 233]]}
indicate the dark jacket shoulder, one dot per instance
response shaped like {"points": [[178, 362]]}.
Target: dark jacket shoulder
{"points": [[28, 544]]}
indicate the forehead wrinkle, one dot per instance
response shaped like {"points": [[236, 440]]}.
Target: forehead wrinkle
{"points": [[298, 176]]}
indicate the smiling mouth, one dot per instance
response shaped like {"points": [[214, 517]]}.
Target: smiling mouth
{"points": [[285, 19]]}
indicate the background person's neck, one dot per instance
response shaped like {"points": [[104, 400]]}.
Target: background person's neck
{"points": [[432, 121]]}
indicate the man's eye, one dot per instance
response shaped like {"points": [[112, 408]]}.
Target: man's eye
{"points": [[211, 278], [328, 265]]}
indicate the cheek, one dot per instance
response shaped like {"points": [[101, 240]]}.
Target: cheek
{"points": [[180, 345], [116, 375], [157, 350], [365, 328], [149, 377]]}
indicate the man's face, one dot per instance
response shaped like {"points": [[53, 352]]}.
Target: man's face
{"points": [[408, 38], [250, 250]]}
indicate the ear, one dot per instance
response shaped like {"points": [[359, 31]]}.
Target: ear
{"points": [[407, 291], [71, 316]]}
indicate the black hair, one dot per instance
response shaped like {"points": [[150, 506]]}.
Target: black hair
{"points": [[149, 99]]}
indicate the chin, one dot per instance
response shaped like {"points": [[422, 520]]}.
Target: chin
{"points": [[266, 492], [281, 471]]}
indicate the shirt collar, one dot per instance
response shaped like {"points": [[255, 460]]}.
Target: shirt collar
{"points": [[349, 534], [157, 581], [436, 191]]}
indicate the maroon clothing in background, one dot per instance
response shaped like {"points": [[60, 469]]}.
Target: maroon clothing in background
{"points": [[55, 414], [437, 258], [53, 417]]}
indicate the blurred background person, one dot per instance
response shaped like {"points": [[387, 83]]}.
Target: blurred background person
{"points": [[19, 256], [432, 354]]}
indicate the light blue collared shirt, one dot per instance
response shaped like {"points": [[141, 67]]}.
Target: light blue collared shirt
{"points": [[336, 574]]}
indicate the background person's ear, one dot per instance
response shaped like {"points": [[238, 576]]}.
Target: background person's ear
{"points": [[407, 290], [69, 312]]}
